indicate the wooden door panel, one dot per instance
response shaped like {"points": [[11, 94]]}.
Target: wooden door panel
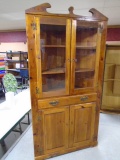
{"points": [[52, 56], [84, 58], [56, 123], [81, 123]]}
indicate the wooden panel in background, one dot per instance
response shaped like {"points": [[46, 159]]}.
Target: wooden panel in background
{"points": [[111, 87]]}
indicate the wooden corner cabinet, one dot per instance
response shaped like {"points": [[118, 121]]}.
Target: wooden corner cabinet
{"points": [[66, 59], [111, 85]]}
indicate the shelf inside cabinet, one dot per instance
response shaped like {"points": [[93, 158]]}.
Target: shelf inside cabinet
{"points": [[84, 70], [85, 47], [52, 46], [54, 71]]}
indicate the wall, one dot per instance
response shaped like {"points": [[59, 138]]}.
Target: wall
{"points": [[15, 46], [16, 40], [113, 34], [13, 40]]}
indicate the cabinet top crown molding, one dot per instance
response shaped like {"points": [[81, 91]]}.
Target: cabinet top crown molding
{"points": [[42, 9]]}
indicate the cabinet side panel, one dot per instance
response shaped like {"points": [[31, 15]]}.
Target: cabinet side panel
{"points": [[100, 76], [33, 82]]}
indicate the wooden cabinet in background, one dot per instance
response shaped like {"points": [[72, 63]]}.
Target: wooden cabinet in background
{"points": [[66, 59], [111, 85]]}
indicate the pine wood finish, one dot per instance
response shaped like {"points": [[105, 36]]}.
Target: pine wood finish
{"points": [[111, 85], [66, 61]]}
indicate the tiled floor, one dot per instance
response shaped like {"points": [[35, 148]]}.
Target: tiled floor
{"points": [[13, 136]]}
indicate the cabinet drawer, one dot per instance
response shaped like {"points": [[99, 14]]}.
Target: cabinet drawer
{"points": [[63, 101]]}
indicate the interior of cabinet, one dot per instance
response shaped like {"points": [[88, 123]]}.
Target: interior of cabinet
{"points": [[53, 55], [86, 36], [53, 35], [111, 86], [85, 56], [53, 40]]}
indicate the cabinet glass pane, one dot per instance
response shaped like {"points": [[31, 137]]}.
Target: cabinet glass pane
{"points": [[85, 56], [53, 55]]}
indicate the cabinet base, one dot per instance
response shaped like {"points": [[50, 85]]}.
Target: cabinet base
{"points": [[43, 157]]}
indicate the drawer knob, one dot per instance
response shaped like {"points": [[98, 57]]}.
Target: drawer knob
{"points": [[85, 98], [53, 103]]}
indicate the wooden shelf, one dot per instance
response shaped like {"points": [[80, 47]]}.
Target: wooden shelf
{"points": [[62, 70], [84, 70], [53, 46], [85, 47], [54, 71], [113, 63], [111, 79]]}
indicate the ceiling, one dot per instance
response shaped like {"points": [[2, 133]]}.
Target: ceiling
{"points": [[12, 12]]}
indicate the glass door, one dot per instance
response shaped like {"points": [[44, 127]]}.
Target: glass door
{"points": [[54, 53], [84, 59]]}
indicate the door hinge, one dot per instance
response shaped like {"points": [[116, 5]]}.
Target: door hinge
{"points": [[37, 90], [100, 28], [34, 26], [39, 118]]}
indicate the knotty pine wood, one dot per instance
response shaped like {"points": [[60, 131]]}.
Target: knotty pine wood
{"points": [[67, 110]]}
